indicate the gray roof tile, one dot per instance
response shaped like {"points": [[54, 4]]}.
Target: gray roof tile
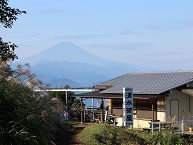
{"points": [[149, 82]]}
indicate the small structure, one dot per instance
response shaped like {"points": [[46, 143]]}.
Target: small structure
{"points": [[159, 96], [64, 114]]}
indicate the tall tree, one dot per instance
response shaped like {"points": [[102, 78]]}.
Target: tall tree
{"points": [[7, 16]]}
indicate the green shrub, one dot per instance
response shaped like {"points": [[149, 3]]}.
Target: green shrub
{"points": [[167, 137], [105, 134], [67, 126], [25, 119]]}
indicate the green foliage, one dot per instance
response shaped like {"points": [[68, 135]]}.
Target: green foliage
{"points": [[25, 119], [67, 126], [75, 109], [62, 96], [105, 134], [74, 104], [167, 137], [7, 16], [77, 103], [7, 50]]}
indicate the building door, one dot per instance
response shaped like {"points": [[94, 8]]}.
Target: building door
{"points": [[174, 109]]}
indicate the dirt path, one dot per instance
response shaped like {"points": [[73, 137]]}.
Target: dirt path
{"points": [[69, 138]]}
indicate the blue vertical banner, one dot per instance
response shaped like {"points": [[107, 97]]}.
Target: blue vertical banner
{"points": [[128, 106]]}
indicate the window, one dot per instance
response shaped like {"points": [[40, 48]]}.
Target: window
{"points": [[117, 103], [145, 104]]}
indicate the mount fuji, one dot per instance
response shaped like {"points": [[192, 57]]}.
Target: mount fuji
{"points": [[67, 64]]}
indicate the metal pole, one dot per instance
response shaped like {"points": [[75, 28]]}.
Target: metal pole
{"points": [[67, 103], [102, 110], [84, 115], [123, 116], [159, 127], [182, 126], [81, 111], [93, 110], [152, 127], [66, 100]]}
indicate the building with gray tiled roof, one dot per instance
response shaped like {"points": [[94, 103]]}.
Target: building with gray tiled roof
{"points": [[161, 95], [149, 82]]}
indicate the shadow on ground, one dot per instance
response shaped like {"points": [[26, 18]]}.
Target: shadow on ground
{"points": [[69, 138]]}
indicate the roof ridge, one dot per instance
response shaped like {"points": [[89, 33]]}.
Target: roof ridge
{"points": [[150, 82], [156, 72]]}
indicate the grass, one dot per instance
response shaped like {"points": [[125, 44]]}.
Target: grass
{"points": [[105, 134]]}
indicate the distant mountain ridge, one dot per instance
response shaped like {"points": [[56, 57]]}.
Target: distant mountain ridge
{"points": [[54, 72], [67, 64], [66, 51]]}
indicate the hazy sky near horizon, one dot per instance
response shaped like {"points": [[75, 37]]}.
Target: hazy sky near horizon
{"points": [[155, 34]]}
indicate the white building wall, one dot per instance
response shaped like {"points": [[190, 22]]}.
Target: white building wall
{"points": [[161, 116], [138, 123], [183, 107]]}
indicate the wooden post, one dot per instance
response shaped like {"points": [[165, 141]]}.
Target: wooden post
{"points": [[152, 112]]}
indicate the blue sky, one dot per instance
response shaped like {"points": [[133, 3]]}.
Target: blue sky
{"points": [[156, 34]]}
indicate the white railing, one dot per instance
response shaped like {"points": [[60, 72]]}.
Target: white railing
{"points": [[187, 125], [178, 126]]}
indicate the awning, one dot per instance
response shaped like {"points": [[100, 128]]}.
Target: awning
{"points": [[99, 95], [188, 91], [113, 96]]}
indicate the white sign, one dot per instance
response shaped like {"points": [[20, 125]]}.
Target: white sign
{"points": [[128, 106]]}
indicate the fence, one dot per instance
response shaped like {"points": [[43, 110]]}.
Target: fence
{"points": [[179, 127]]}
